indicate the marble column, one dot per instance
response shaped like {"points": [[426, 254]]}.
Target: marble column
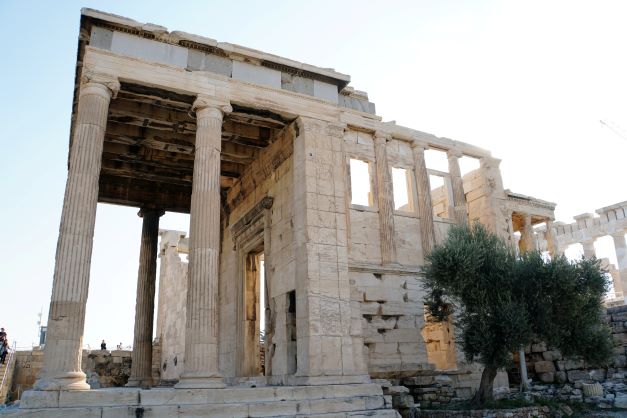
{"points": [[385, 199], [425, 208], [141, 366], [621, 256], [588, 248], [63, 351], [201, 331], [459, 198], [527, 241]]}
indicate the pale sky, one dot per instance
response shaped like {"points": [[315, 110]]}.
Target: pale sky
{"points": [[527, 80]]}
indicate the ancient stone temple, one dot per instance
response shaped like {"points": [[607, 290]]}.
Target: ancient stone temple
{"points": [[309, 221]]}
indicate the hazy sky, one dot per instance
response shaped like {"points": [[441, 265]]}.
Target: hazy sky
{"points": [[527, 80]]}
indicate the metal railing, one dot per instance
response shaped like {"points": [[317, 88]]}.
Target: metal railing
{"points": [[7, 369]]}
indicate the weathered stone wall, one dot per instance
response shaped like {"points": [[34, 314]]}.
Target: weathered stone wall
{"points": [[173, 276], [103, 368], [547, 365], [392, 317], [268, 176], [391, 301], [531, 411], [440, 340]]}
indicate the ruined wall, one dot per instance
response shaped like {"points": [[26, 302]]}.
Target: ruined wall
{"points": [[173, 276], [103, 368], [547, 365], [486, 200], [440, 340], [390, 298]]}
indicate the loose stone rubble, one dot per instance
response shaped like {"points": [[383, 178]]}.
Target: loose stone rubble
{"points": [[265, 155]]}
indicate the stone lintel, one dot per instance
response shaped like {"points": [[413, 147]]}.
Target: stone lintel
{"points": [[256, 213]]}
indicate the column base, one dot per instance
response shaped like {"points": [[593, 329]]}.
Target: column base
{"points": [[190, 381], [139, 382], [64, 381]]}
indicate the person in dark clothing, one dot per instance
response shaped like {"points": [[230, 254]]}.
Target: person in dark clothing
{"points": [[3, 334], [4, 349], [103, 345]]}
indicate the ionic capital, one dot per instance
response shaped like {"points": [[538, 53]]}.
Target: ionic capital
{"points": [[489, 162], [618, 236], [215, 108], [336, 130], [418, 146], [108, 84], [454, 153], [380, 136], [148, 211]]}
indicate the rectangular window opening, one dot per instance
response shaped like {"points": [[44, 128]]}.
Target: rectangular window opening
{"points": [[436, 160], [402, 186], [361, 192]]}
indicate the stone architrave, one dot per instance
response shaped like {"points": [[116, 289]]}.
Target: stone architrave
{"points": [[201, 331], [63, 351], [425, 208], [621, 256], [141, 366], [385, 200], [459, 198]]}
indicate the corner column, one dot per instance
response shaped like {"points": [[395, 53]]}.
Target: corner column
{"points": [[425, 208], [62, 355], [459, 198], [385, 199], [621, 256], [141, 366], [201, 331]]}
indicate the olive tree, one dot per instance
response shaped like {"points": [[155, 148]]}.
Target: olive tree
{"points": [[501, 302]]}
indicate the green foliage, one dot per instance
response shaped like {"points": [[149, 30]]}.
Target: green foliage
{"points": [[564, 300], [501, 302]]}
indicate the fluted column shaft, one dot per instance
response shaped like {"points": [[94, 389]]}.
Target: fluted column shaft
{"points": [[201, 332], [385, 200], [459, 198], [425, 208], [141, 366], [63, 351], [621, 257]]}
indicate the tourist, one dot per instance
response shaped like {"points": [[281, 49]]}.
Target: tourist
{"points": [[4, 349], [3, 334], [120, 346], [103, 345]]}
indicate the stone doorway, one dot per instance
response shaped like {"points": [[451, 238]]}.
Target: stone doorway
{"points": [[252, 297], [254, 314]]}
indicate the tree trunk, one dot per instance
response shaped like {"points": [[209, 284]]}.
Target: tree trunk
{"points": [[484, 393]]}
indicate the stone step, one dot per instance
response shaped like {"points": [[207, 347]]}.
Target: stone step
{"points": [[170, 396], [276, 401], [197, 412]]}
